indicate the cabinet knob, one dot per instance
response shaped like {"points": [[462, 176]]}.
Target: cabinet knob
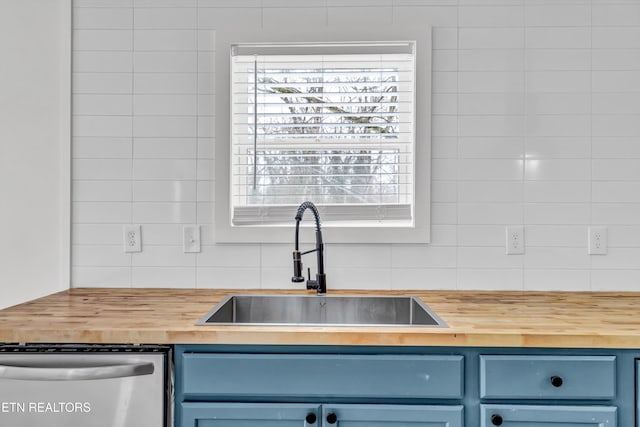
{"points": [[332, 418], [496, 420], [311, 418], [556, 381]]}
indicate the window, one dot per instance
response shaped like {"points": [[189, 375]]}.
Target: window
{"points": [[331, 122]]}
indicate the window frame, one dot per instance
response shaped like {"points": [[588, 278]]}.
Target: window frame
{"points": [[335, 232]]}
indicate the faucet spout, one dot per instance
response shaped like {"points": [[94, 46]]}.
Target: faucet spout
{"points": [[320, 282]]}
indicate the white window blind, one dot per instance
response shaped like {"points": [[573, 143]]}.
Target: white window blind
{"points": [[330, 123]]}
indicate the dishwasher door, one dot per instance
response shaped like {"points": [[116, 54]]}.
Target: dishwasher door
{"points": [[119, 389]]}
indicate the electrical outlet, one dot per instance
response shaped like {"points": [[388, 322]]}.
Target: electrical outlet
{"points": [[132, 238], [191, 238], [515, 240], [597, 241]]}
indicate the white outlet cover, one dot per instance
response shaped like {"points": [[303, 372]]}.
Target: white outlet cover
{"points": [[514, 244], [597, 241], [132, 238]]}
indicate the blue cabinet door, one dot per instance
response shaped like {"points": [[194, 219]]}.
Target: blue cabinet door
{"points": [[391, 416], [546, 415], [204, 414]]}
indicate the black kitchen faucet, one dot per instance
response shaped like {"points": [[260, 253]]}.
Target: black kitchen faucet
{"points": [[320, 283]]}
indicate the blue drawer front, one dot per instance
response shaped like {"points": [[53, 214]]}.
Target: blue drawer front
{"points": [[547, 377], [542, 415], [225, 376], [394, 416]]}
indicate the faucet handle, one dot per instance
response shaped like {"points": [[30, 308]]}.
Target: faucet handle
{"points": [[297, 268], [311, 284]]}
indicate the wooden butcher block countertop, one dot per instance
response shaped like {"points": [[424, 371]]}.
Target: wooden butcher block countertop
{"points": [[168, 316]]}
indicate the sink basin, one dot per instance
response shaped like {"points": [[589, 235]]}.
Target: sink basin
{"points": [[321, 310]]}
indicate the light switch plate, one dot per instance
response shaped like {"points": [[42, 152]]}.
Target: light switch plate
{"points": [[191, 238]]}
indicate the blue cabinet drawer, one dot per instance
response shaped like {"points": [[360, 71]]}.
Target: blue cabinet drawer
{"points": [[547, 415], [294, 376], [547, 377]]}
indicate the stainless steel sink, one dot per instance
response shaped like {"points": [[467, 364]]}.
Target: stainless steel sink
{"points": [[321, 310]]}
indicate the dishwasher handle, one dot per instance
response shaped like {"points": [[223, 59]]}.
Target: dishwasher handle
{"points": [[80, 373]]}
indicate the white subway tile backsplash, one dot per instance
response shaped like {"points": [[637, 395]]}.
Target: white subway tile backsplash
{"points": [[557, 191], [558, 14], [108, 18], [616, 81], [100, 277], [101, 126], [558, 170], [616, 169], [163, 277], [163, 18], [165, 62], [165, 40], [165, 105], [440, 15], [102, 62], [559, 81], [164, 213], [163, 256], [556, 280], [556, 213], [512, 82], [165, 148], [100, 256], [491, 60], [96, 234], [556, 236], [294, 17], [164, 169], [616, 192], [164, 191], [490, 279], [490, 191], [491, 147], [613, 15], [556, 258], [491, 38], [101, 191], [557, 59], [615, 59], [490, 169], [558, 147], [616, 37], [164, 126], [102, 83], [423, 278], [102, 169], [489, 213], [535, 122], [93, 40], [101, 213], [491, 16], [101, 105], [92, 147]]}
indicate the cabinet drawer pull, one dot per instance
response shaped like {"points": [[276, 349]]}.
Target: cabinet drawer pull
{"points": [[496, 420], [332, 418], [311, 418], [556, 381]]}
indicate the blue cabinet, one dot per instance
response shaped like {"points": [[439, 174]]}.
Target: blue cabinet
{"points": [[351, 386], [548, 415], [205, 414]]}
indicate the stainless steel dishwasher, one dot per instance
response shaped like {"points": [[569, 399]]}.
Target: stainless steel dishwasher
{"points": [[79, 385]]}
